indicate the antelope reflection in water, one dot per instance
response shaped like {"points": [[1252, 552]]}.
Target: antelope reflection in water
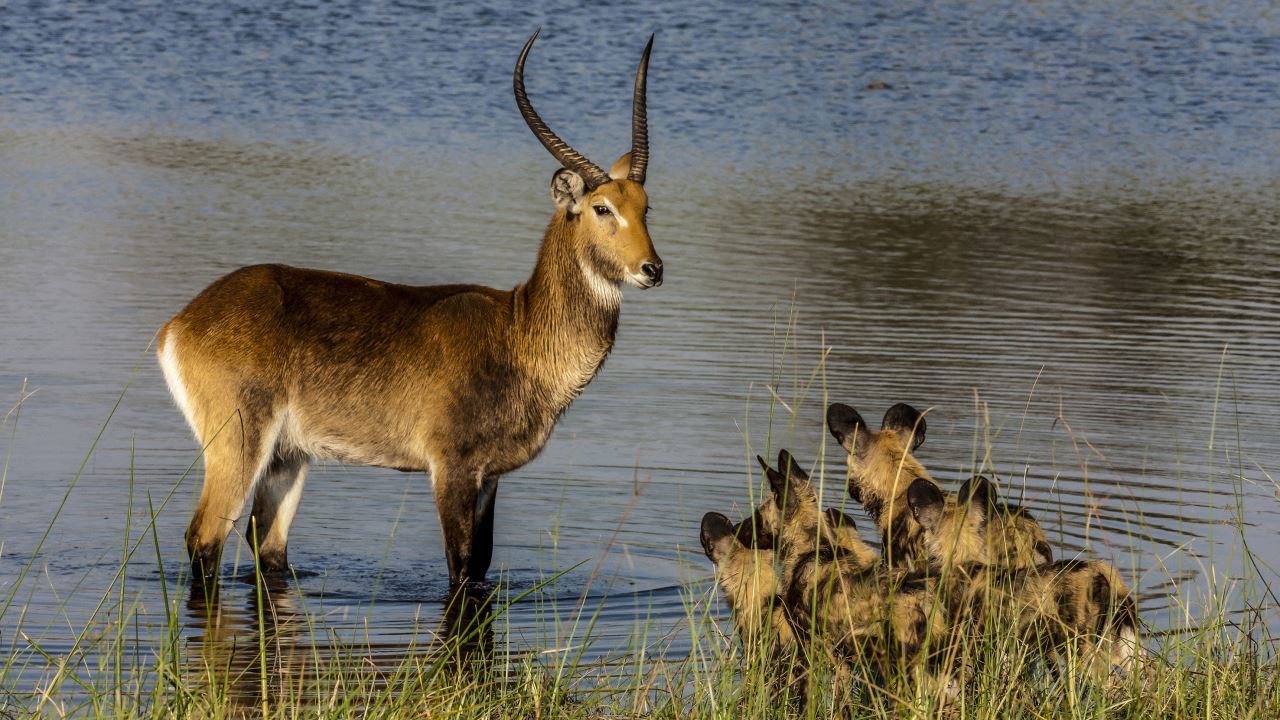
{"points": [[268, 646]]}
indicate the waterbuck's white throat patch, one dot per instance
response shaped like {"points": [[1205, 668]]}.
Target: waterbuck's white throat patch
{"points": [[607, 292]]}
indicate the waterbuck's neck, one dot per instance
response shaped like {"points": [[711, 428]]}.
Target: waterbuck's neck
{"points": [[570, 313]]}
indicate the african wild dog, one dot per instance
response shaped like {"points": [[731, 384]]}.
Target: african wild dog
{"points": [[882, 467], [836, 600], [759, 530], [747, 581], [1069, 608], [1013, 538], [745, 564]]}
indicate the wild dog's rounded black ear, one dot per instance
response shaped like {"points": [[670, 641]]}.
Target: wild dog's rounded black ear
{"points": [[979, 490], [784, 493], [715, 527], [567, 189], [752, 533], [847, 427], [979, 494], [926, 502], [907, 422], [838, 519], [789, 466]]}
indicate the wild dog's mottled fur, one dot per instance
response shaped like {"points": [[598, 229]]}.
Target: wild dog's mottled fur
{"points": [[1012, 537], [842, 601], [849, 544], [882, 467], [1081, 608], [750, 587]]}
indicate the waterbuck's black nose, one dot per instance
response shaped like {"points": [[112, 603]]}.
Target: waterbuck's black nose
{"points": [[652, 271]]}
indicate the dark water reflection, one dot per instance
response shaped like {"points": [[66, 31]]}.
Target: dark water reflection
{"points": [[279, 648], [1058, 231]]}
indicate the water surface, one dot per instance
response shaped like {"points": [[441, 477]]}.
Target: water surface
{"points": [[1056, 229]]}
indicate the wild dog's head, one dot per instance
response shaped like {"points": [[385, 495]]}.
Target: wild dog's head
{"points": [[955, 532], [1021, 542], [881, 465], [746, 579], [798, 521], [973, 526], [759, 529], [976, 527], [1013, 537]]}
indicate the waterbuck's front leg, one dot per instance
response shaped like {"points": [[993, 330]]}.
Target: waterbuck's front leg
{"points": [[482, 533], [464, 501]]}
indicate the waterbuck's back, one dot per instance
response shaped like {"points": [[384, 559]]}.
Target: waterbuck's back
{"points": [[365, 371]]}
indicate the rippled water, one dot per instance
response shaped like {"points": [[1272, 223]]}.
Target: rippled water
{"points": [[1056, 228]]}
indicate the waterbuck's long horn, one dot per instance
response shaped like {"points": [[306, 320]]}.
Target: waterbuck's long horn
{"points": [[640, 121], [558, 148]]}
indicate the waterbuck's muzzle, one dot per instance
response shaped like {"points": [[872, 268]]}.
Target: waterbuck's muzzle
{"points": [[651, 273]]}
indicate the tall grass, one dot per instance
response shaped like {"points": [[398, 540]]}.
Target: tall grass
{"points": [[1216, 658]]}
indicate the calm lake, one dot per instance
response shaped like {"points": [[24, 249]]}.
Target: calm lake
{"points": [[1057, 224]]}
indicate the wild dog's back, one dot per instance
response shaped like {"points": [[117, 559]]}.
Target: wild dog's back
{"points": [[1080, 603]]}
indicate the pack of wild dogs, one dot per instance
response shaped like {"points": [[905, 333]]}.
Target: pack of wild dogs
{"points": [[954, 570]]}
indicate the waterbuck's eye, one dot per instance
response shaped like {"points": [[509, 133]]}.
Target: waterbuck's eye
{"points": [[602, 210]]}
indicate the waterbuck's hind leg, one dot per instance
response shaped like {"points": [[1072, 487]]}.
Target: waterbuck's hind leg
{"points": [[237, 452], [458, 497], [275, 503]]}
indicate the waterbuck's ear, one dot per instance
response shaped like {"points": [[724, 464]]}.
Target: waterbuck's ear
{"points": [[848, 428], [621, 168], [716, 529], [979, 494], [568, 189], [907, 422], [926, 502], [785, 494], [788, 465]]}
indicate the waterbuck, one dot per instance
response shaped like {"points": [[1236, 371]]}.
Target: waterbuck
{"points": [[275, 365]]}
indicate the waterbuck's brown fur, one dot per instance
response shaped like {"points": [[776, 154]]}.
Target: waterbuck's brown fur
{"points": [[274, 365]]}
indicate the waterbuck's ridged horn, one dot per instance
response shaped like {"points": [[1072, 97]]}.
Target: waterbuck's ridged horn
{"points": [[640, 121], [558, 148]]}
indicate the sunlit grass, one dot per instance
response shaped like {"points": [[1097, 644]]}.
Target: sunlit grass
{"points": [[1215, 657]]}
